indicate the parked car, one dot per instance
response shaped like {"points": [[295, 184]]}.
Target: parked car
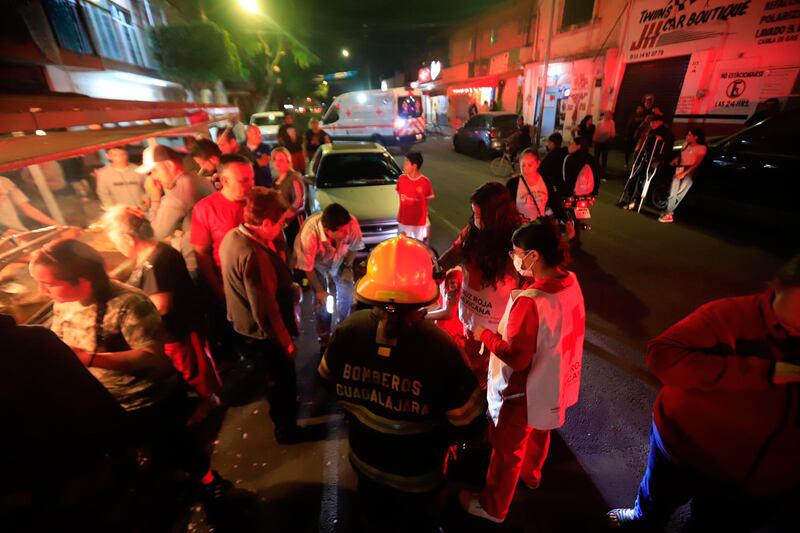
{"points": [[752, 177], [268, 122], [485, 134], [361, 176]]}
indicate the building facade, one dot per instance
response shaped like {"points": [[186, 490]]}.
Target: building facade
{"points": [[705, 62], [98, 48]]}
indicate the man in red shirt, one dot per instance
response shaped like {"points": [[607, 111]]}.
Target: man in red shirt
{"points": [[725, 431], [217, 214], [415, 192]]}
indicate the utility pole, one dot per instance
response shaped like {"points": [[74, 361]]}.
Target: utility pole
{"points": [[540, 110]]}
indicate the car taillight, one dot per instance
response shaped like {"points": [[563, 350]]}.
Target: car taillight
{"points": [[583, 203], [492, 134]]}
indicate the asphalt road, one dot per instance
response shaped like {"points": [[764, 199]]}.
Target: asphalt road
{"points": [[638, 277]]}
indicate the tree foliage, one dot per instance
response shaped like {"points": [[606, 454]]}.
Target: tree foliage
{"points": [[197, 52]]}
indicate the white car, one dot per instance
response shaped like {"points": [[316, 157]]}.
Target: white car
{"points": [[361, 176], [268, 122]]}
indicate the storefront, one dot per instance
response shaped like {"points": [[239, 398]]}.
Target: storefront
{"points": [[481, 91], [710, 63], [573, 89]]}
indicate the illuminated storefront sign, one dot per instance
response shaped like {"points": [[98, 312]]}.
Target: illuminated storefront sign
{"points": [[424, 75], [666, 28]]}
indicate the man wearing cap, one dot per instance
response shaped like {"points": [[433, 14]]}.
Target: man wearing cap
{"points": [[172, 198], [404, 386], [119, 182]]}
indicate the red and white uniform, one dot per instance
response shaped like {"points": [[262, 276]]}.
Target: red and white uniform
{"points": [[534, 375], [413, 215]]}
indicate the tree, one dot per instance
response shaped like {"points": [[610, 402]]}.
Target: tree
{"points": [[196, 53], [224, 45]]}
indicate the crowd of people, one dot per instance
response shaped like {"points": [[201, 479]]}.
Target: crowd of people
{"points": [[482, 346]]}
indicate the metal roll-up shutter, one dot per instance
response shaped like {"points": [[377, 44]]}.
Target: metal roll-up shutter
{"points": [[663, 78]]}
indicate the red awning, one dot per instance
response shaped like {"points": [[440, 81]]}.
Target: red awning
{"points": [[476, 83], [19, 152], [57, 111]]}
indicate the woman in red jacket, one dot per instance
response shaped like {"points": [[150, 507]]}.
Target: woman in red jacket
{"points": [[534, 369]]}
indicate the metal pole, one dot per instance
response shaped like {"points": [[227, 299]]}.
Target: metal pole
{"points": [[540, 111], [47, 194]]}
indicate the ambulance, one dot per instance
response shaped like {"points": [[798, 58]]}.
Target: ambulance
{"points": [[391, 117]]}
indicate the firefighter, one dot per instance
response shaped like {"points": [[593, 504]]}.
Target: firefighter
{"points": [[405, 388]]}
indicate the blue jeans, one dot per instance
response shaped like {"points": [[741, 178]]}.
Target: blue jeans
{"points": [[665, 486], [343, 291]]}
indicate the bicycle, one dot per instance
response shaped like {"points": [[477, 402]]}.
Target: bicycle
{"points": [[504, 166]]}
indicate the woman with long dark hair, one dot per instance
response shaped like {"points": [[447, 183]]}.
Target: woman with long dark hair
{"points": [[482, 250], [692, 155], [117, 333]]}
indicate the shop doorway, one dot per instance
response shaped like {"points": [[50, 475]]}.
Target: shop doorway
{"points": [[662, 78]]}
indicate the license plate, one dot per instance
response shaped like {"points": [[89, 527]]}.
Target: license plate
{"points": [[582, 213], [419, 136]]}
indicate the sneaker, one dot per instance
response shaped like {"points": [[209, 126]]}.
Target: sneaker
{"points": [[627, 519], [631, 206], [666, 219], [469, 502]]}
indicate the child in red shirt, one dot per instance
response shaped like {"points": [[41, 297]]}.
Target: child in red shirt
{"points": [[415, 192], [446, 315]]}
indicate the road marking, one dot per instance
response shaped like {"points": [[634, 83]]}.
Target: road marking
{"points": [[446, 222], [329, 500]]}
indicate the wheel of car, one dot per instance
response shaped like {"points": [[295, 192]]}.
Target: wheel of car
{"points": [[482, 152], [660, 195], [456, 144]]}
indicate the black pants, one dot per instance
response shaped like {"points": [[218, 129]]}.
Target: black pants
{"points": [[162, 426], [270, 361], [630, 146], [382, 509], [601, 154]]}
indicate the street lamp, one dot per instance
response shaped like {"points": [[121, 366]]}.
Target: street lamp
{"points": [[251, 6], [345, 52]]}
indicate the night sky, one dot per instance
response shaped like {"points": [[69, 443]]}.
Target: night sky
{"points": [[381, 32]]}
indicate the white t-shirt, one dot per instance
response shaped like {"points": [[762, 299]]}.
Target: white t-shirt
{"points": [[693, 154], [525, 203], [10, 199]]}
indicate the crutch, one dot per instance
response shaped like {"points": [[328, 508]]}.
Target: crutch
{"points": [[650, 172], [634, 175]]}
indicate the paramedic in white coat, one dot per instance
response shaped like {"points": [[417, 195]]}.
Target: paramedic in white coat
{"points": [[534, 368]]}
